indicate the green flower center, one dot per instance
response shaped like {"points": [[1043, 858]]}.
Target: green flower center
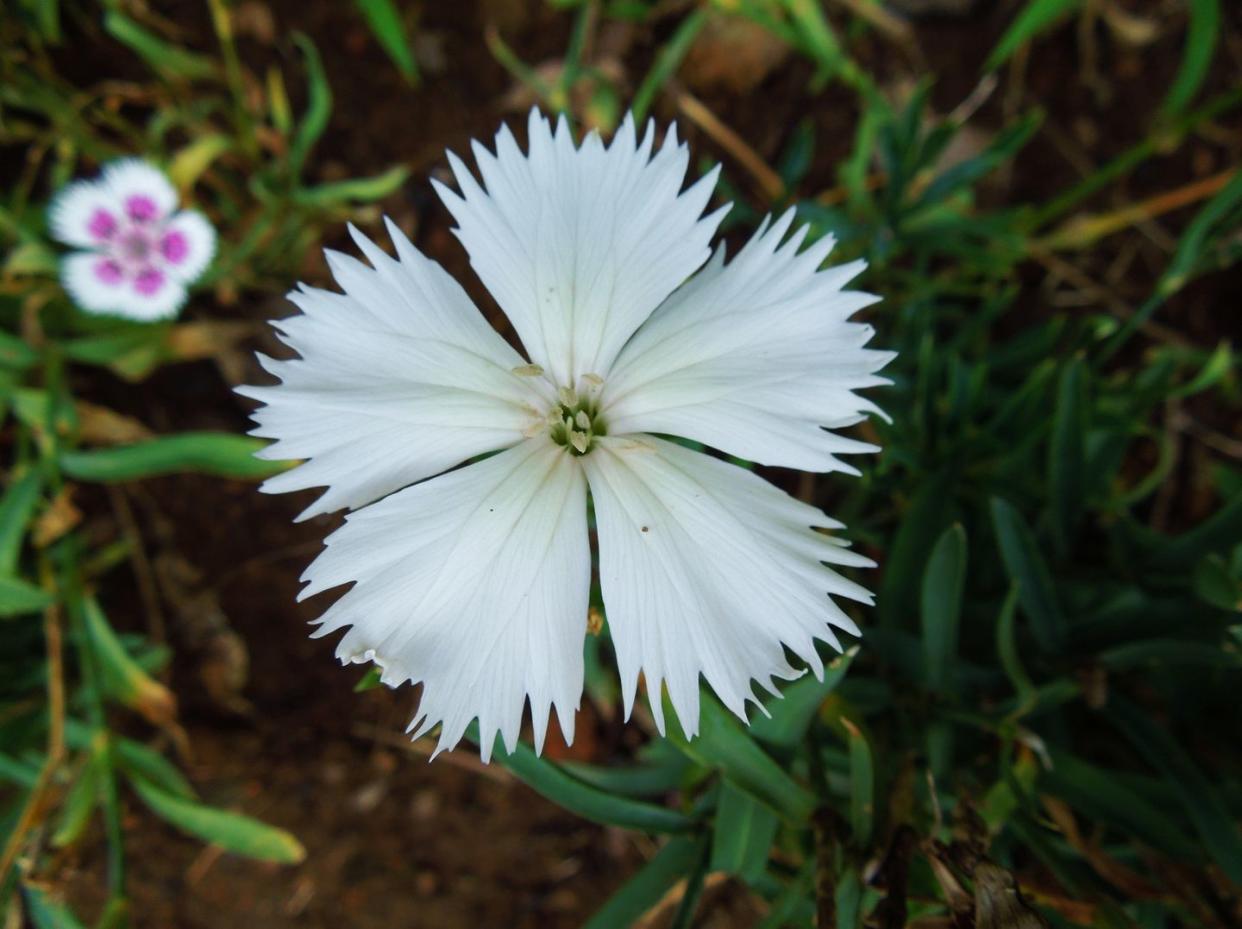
{"points": [[575, 421]]}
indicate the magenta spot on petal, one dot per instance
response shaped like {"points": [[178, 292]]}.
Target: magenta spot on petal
{"points": [[102, 225], [141, 208], [175, 246], [149, 281], [108, 272]]}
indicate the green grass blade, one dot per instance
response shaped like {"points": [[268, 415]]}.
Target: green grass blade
{"points": [[743, 834], [218, 453], [164, 57], [1067, 455], [723, 744], [16, 508], [645, 889], [1037, 17], [1206, 809], [549, 779], [19, 598], [389, 30], [666, 63], [792, 714], [1027, 569], [318, 107], [943, 583], [1201, 37], [233, 832], [46, 913]]}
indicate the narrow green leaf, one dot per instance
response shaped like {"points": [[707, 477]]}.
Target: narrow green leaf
{"points": [[1217, 533], [1000, 150], [791, 715], [796, 894], [16, 353], [1208, 812], [1100, 794], [46, 15], [231, 831], [723, 744], [1201, 37], [848, 899], [1067, 455], [218, 453], [1037, 16], [318, 107], [1219, 365], [666, 63], [743, 834], [116, 915], [16, 508], [123, 678], [369, 681], [18, 772], [163, 56], [135, 760], [549, 779], [943, 583], [46, 913], [646, 888], [862, 784], [1007, 649], [652, 778], [139, 762], [188, 165], [18, 597], [109, 347], [1168, 652], [930, 512], [79, 804], [389, 30], [1027, 569], [358, 190], [1218, 217], [816, 35]]}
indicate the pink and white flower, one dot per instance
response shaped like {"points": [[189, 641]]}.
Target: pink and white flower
{"points": [[471, 576], [138, 251]]}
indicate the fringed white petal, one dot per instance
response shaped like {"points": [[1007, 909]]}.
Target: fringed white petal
{"points": [[754, 357], [83, 214], [141, 190], [187, 245], [708, 569], [579, 244], [474, 584], [399, 379]]}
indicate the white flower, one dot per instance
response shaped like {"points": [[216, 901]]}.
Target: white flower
{"points": [[138, 252], [475, 582]]}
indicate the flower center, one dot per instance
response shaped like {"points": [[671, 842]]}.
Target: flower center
{"points": [[575, 421], [135, 245]]}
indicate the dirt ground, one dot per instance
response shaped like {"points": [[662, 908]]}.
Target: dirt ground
{"points": [[393, 841]]}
